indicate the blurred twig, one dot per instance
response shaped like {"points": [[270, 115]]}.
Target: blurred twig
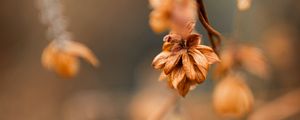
{"points": [[210, 30], [281, 108], [171, 101]]}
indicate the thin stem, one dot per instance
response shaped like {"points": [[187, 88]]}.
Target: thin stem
{"points": [[159, 115], [210, 30]]}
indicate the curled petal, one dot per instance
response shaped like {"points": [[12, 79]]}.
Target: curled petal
{"points": [[171, 62], [177, 75], [184, 87], [193, 40], [65, 65], [201, 74], [199, 58], [160, 60], [253, 60], [173, 38], [188, 66], [167, 46], [209, 53], [47, 56], [78, 49]]}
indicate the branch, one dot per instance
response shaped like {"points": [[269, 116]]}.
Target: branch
{"points": [[210, 30]]}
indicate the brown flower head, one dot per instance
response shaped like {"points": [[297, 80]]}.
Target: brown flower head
{"points": [[171, 14], [62, 57], [184, 61], [160, 16], [244, 56], [232, 97]]}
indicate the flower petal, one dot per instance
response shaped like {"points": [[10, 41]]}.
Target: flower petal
{"points": [[177, 75], [198, 57], [185, 86], [188, 66], [47, 56], [201, 74], [160, 60], [209, 53], [171, 62], [193, 40], [78, 49], [65, 64]]}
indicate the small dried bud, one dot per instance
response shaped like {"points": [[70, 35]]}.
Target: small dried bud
{"points": [[62, 57], [244, 4], [184, 61], [232, 97]]}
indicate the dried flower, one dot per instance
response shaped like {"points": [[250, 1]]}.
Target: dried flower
{"points": [[244, 4], [160, 16], [232, 97], [62, 57], [253, 60], [245, 56], [171, 14], [184, 61]]}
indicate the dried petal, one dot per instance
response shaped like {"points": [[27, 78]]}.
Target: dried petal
{"points": [[78, 49], [65, 65], [193, 40], [160, 60], [199, 58], [177, 75], [188, 66], [201, 74], [253, 60], [173, 38], [209, 53], [184, 87], [171, 62]]}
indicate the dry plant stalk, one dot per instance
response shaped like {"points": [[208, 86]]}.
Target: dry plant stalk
{"points": [[62, 54], [183, 60]]}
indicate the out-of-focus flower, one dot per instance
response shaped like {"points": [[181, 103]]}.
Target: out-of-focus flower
{"points": [[62, 57], [160, 16], [232, 97], [184, 61], [244, 4], [171, 14], [245, 56], [253, 60]]}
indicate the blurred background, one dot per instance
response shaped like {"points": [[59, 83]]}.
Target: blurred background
{"points": [[125, 86]]}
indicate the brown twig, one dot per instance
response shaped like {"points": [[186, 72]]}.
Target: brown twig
{"points": [[165, 108], [210, 30]]}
